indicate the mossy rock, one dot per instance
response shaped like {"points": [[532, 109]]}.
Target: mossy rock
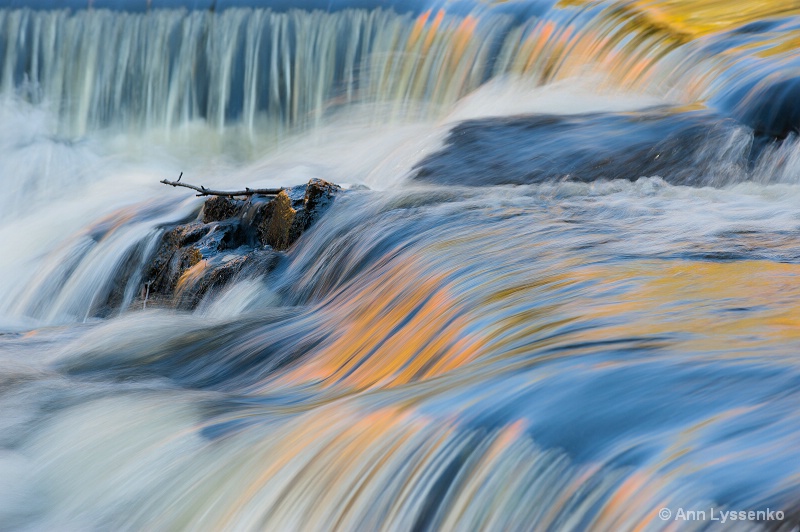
{"points": [[279, 227], [227, 242], [220, 208]]}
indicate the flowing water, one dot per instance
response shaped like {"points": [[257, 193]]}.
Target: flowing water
{"points": [[565, 294]]}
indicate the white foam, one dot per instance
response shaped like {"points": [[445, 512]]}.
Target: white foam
{"points": [[511, 96]]}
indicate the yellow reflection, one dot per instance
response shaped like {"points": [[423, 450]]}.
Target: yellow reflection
{"points": [[193, 275], [411, 324], [723, 305], [699, 17], [398, 332]]}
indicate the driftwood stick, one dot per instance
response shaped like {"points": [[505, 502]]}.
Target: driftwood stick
{"points": [[203, 191]]}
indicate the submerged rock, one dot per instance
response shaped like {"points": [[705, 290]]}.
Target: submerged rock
{"points": [[217, 271], [683, 147], [231, 238]]}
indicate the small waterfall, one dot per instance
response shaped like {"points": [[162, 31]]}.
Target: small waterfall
{"points": [[273, 72], [276, 71], [98, 269], [255, 67]]}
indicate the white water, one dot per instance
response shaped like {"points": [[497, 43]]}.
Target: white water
{"points": [[103, 182], [562, 355]]}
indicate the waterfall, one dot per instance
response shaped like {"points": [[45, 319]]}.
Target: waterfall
{"points": [[258, 68], [556, 290], [274, 72]]}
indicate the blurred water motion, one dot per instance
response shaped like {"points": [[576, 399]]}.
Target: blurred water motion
{"points": [[265, 71], [568, 299]]}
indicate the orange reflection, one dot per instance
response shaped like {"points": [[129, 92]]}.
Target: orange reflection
{"points": [[721, 305], [398, 332], [416, 31], [700, 17]]}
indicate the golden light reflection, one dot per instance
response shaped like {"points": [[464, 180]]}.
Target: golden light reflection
{"points": [[191, 276], [440, 59], [398, 332], [700, 17], [747, 304]]}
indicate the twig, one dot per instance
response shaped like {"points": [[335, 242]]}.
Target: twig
{"points": [[203, 191]]}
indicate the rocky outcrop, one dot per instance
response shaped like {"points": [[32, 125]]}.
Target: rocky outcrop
{"points": [[293, 211], [230, 238]]}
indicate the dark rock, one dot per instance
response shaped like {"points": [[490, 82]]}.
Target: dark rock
{"points": [[683, 147], [184, 235], [220, 208], [293, 211], [233, 239], [318, 195], [218, 271], [768, 105]]}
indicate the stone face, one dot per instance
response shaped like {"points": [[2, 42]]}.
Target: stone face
{"points": [[279, 230], [294, 211], [318, 196], [231, 239], [220, 208]]}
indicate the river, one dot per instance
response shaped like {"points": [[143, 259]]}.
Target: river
{"points": [[561, 293]]}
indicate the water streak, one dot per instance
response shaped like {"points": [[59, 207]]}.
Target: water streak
{"points": [[582, 311], [270, 72]]}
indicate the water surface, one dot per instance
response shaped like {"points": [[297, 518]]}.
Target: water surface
{"points": [[564, 295]]}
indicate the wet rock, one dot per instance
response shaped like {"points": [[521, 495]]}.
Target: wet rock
{"points": [[318, 195], [176, 254], [293, 211], [682, 147], [770, 108], [231, 239], [218, 271], [220, 208], [280, 228]]}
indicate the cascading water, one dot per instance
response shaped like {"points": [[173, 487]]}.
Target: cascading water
{"points": [[566, 298], [256, 68]]}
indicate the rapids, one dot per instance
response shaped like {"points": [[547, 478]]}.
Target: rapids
{"points": [[561, 292]]}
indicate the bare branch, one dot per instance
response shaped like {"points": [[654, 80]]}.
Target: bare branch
{"points": [[203, 191]]}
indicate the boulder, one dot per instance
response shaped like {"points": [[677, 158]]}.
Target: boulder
{"points": [[232, 238]]}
